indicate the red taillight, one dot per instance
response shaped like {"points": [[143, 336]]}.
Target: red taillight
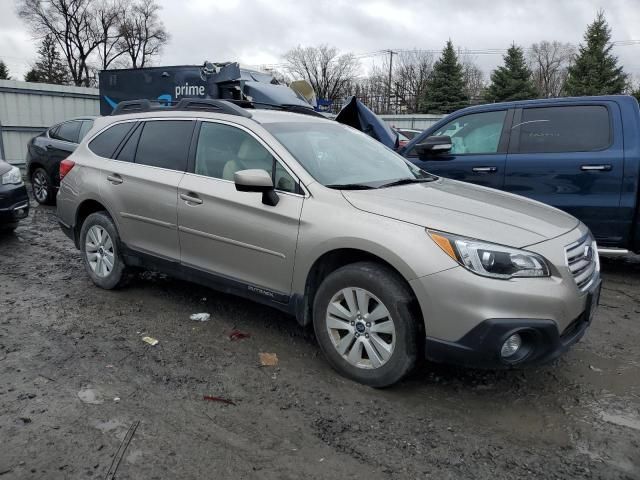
{"points": [[65, 167]]}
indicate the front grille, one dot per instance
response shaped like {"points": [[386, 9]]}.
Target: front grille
{"points": [[582, 261]]}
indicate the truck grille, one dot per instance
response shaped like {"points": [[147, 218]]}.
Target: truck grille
{"points": [[583, 262]]}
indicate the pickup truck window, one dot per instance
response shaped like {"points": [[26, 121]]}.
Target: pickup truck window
{"points": [[475, 133], [576, 128]]}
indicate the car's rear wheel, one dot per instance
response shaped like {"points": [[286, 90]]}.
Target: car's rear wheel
{"points": [[363, 322], [42, 187], [101, 251]]}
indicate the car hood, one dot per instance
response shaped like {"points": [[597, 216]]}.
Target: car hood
{"points": [[467, 210]]}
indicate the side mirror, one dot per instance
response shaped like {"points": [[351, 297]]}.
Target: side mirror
{"points": [[256, 180], [434, 145]]}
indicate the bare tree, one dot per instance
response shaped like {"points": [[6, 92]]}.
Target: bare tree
{"points": [[549, 62], [72, 25], [109, 15], [143, 33], [328, 72], [473, 78], [411, 76]]}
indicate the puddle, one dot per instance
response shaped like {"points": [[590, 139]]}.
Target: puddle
{"points": [[622, 420], [134, 456], [109, 425], [90, 396]]}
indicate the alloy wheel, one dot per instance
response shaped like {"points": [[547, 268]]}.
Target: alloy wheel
{"points": [[361, 328], [99, 251], [40, 184]]}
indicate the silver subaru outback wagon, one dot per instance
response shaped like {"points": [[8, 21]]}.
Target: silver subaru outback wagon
{"points": [[386, 261]]}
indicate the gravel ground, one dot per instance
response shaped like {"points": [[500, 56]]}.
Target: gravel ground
{"points": [[75, 377]]}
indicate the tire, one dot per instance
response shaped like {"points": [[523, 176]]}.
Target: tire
{"points": [[42, 187], [8, 228], [387, 351], [100, 251]]}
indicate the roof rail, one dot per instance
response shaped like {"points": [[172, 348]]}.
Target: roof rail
{"points": [[185, 104], [274, 106]]}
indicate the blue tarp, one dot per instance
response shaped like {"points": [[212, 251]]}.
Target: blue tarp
{"points": [[357, 115]]}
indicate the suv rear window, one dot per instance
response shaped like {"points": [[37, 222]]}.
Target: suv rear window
{"points": [[105, 144], [576, 128], [165, 144]]}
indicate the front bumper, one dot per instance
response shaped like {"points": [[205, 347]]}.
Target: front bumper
{"points": [[14, 203], [542, 341], [467, 317]]}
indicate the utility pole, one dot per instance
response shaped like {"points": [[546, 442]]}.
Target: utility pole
{"points": [[391, 52]]}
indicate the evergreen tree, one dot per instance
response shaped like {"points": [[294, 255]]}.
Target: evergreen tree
{"points": [[32, 76], [4, 71], [49, 68], [595, 70], [513, 80], [445, 91]]}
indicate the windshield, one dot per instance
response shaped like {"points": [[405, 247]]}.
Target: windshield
{"points": [[339, 156]]}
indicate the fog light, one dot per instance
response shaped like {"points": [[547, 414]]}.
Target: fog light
{"points": [[511, 346]]}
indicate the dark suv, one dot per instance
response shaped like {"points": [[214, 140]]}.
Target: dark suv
{"points": [[47, 150]]}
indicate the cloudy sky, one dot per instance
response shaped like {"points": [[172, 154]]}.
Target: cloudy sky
{"points": [[257, 32]]}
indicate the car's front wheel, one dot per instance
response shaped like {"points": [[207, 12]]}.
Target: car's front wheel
{"points": [[363, 322], [42, 187], [101, 253]]}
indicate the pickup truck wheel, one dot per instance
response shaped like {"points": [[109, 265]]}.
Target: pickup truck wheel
{"points": [[100, 247], [42, 187], [363, 323]]}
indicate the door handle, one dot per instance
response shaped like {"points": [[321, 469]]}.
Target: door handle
{"points": [[115, 179], [191, 199], [485, 169], [596, 168], [48, 146]]}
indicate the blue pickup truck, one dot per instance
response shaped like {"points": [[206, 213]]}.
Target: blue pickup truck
{"points": [[581, 155]]}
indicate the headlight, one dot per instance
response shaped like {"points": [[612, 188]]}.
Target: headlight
{"points": [[489, 259], [12, 176]]}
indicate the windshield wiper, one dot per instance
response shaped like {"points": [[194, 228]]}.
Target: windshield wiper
{"points": [[406, 181], [350, 186]]}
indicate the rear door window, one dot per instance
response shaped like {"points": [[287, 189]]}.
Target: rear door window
{"points": [[68, 132], [105, 144], [128, 151], [165, 144], [576, 128]]}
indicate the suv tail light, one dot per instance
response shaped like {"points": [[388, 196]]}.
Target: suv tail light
{"points": [[65, 167]]}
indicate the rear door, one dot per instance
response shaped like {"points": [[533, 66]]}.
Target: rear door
{"points": [[233, 234], [479, 151], [141, 185], [570, 156], [62, 141]]}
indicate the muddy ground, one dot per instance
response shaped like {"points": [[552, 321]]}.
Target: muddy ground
{"points": [[75, 376]]}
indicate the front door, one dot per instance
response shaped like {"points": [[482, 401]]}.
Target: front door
{"points": [[479, 150], [568, 156], [233, 234], [141, 185]]}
